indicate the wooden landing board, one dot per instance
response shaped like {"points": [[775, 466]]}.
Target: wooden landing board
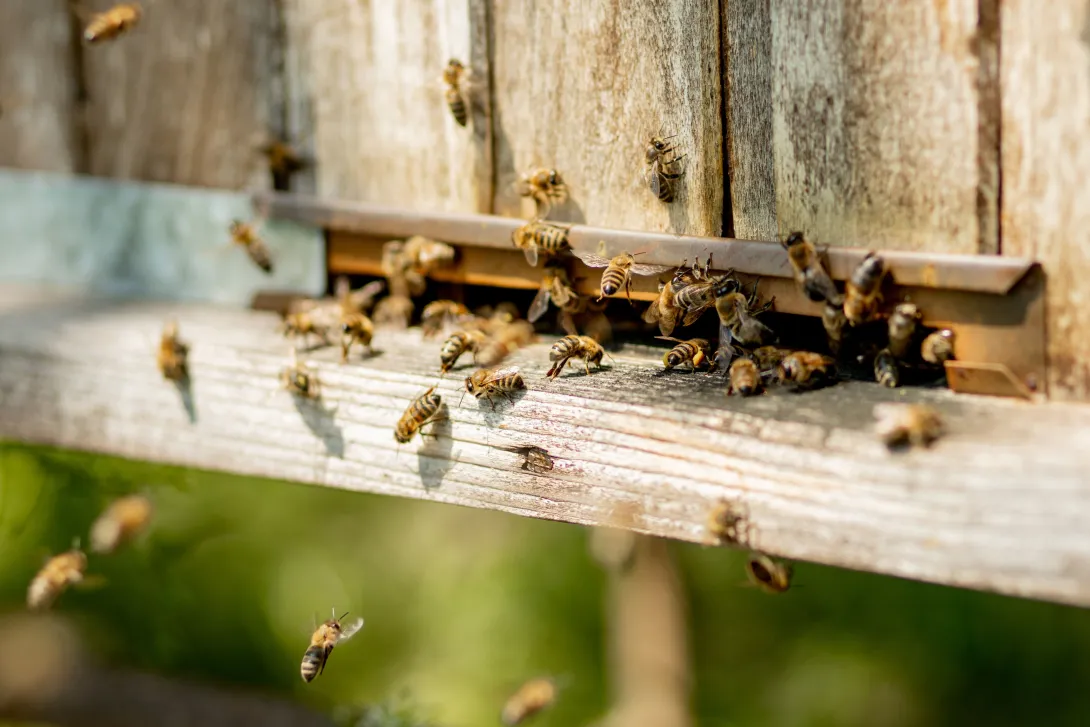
{"points": [[1002, 503]]}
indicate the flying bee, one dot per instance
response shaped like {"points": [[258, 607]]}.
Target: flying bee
{"points": [[834, 321], [58, 573], [886, 370], [534, 459], [112, 23], [863, 292], [173, 354], [318, 321], [506, 339], [532, 697], [555, 286], [393, 311], [571, 347], [399, 269], [662, 171], [694, 352], [299, 379], [810, 273], [619, 271], [540, 236], [728, 522], [487, 383], [545, 187], [283, 162], [938, 347], [768, 574], [663, 309], [452, 79], [440, 313], [745, 377], [422, 410], [322, 641], [426, 255], [806, 370], [122, 521], [355, 328], [693, 299], [737, 314], [907, 424], [245, 235], [902, 327], [458, 343]]}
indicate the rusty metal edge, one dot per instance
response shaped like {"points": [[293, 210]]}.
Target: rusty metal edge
{"points": [[974, 273]]}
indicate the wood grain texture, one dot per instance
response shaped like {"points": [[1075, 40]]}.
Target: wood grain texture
{"points": [[185, 97], [878, 126], [1000, 503], [1046, 161], [382, 129], [39, 85], [747, 82], [582, 85]]}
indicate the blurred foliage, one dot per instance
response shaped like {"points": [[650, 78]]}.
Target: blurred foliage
{"points": [[462, 605]]}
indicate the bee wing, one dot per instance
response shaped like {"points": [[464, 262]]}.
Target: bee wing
{"points": [[539, 305], [502, 373], [653, 312], [638, 269], [670, 338], [531, 254], [654, 177], [349, 631], [591, 260]]}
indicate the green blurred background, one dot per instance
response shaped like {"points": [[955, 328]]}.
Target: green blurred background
{"points": [[462, 605]]}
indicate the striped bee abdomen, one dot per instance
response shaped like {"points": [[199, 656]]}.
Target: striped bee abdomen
{"points": [[260, 255], [612, 280], [457, 106], [564, 348], [313, 662]]}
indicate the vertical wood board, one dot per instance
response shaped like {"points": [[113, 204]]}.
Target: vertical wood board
{"points": [[877, 124], [39, 86], [382, 129], [1046, 164], [581, 85]]}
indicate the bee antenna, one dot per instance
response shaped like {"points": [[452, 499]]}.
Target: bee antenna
{"points": [[342, 615], [333, 611]]}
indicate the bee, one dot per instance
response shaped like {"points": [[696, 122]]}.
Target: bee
{"points": [[768, 574], [806, 370], [452, 79], [728, 522], [694, 352], [58, 573], [393, 311], [425, 255], [122, 521], [532, 697], [863, 292], [769, 357], [283, 162], [112, 23], [661, 172], [694, 298], [737, 314], [399, 270], [487, 383], [534, 459], [317, 321], [437, 314], [555, 286], [810, 273], [173, 354], [423, 410], [300, 380], [745, 377], [834, 321], [907, 424], [540, 236], [569, 347], [506, 339], [664, 309], [325, 637], [458, 343], [355, 328], [902, 327], [544, 186], [245, 234], [619, 271], [938, 347], [886, 370], [360, 300]]}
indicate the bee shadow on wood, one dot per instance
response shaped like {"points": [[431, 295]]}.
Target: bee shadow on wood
{"points": [[433, 458], [492, 418], [319, 420], [185, 393]]}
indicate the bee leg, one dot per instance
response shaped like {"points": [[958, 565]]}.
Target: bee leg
{"points": [[628, 291], [586, 365], [492, 402]]}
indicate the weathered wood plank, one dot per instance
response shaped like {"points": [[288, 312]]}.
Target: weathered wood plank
{"points": [[1046, 162], [382, 130], [39, 86], [747, 81], [186, 96], [878, 125], [581, 86], [1000, 503]]}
